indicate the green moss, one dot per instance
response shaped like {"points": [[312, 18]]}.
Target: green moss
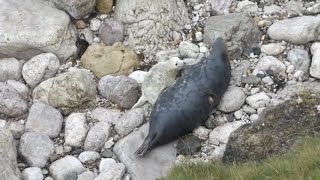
{"points": [[301, 163]]}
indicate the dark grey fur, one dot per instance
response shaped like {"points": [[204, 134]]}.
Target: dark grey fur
{"points": [[189, 102]]}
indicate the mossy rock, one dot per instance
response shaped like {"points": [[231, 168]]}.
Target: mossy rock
{"points": [[277, 130]]}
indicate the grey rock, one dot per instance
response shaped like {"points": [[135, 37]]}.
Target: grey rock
{"points": [[269, 63], [68, 90], [76, 8], [238, 114], [106, 115], [290, 30], [88, 34], [240, 70], [232, 100], [167, 54], [267, 80], [10, 68], [315, 9], [188, 145], [294, 8], [146, 29], [258, 100], [36, 148], [111, 31], [87, 175], [40, 68], [156, 164], [95, 24], [188, 49], [315, 64], [107, 153], [251, 79], [249, 110], [300, 59], [11, 102], [16, 128], [8, 157], [89, 157], [44, 119], [75, 130], [272, 9], [68, 167], [110, 169], [238, 30], [121, 90], [254, 117], [24, 43], [202, 133], [129, 121], [221, 6], [272, 49], [97, 136], [247, 6], [21, 88], [32, 173]]}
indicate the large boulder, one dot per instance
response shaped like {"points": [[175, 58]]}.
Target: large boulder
{"points": [[31, 27], [277, 129], [238, 29], [150, 24]]}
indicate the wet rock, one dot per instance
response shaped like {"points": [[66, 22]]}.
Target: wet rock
{"points": [[129, 121], [146, 29], [116, 59], [232, 100], [32, 173], [97, 136], [111, 31], [75, 129], [24, 43], [10, 68], [188, 145], [290, 30], [315, 64], [106, 115], [258, 100], [120, 90], [11, 102], [68, 167], [21, 88], [68, 90], [44, 119], [8, 157], [40, 68], [76, 8], [276, 131], [238, 30], [272, 49], [156, 164], [268, 63], [35, 148]]}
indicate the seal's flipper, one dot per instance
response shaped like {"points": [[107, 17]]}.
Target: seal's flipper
{"points": [[140, 102], [146, 145]]}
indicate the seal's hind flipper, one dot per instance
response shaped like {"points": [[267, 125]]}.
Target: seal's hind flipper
{"points": [[146, 146]]}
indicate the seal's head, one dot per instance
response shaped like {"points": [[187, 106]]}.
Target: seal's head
{"points": [[177, 63]]}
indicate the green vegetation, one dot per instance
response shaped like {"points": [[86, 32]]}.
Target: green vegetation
{"points": [[302, 163]]}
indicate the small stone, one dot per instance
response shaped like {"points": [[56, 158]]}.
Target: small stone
{"points": [[272, 49], [80, 24], [290, 69], [188, 50], [203, 49], [67, 149], [107, 153], [198, 36], [35, 148], [259, 110], [10, 68], [68, 167], [232, 100], [267, 80], [87, 175], [106, 115], [298, 75], [138, 75], [268, 63], [251, 79], [110, 169], [111, 31], [89, 157], [254, 117], [129, 121], [21, 88], [238, 114], [188, 145], [75, 130], [109, 143], [272, 10], [220, 120], [247, 6], [202, 133], [254, 91], [16, 128], [258, 100], [32, 173], [59, 150], [210, 123], [95, 24], [249, 110], [48, 178], [97, 136]]}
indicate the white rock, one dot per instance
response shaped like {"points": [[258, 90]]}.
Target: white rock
{"points": [[68, 167], [45, 119], [258, 100], [97, 136], [40, 68], [249, 110], [21, 88], [203, 49], [32, 173], [247, 6], [221, 134], [188, 50], [254, 91], [138, 75], [298, 75], [238, 114], [87, 175], [24, 33], [272, 49], [299, 30], [95, 24], [106, 115], [198, 36], [269, 63], [290, 69], [89, 157], [232, 100], [111, 169], [75, 130], [10, 68], [202, 133], [254, 117], [315, 64], [129, 121]]}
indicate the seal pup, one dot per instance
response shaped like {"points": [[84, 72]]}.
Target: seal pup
{"points": [[189, 102], [158, 78]]}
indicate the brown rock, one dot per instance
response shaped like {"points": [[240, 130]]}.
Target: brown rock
{"points": [[80, 24], [104, 60], [104, 6]]}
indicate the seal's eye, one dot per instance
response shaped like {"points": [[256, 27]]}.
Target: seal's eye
{"points": [[176, 64]]}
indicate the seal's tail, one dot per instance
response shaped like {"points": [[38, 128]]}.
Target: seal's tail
{"points": [[146, 146]]}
